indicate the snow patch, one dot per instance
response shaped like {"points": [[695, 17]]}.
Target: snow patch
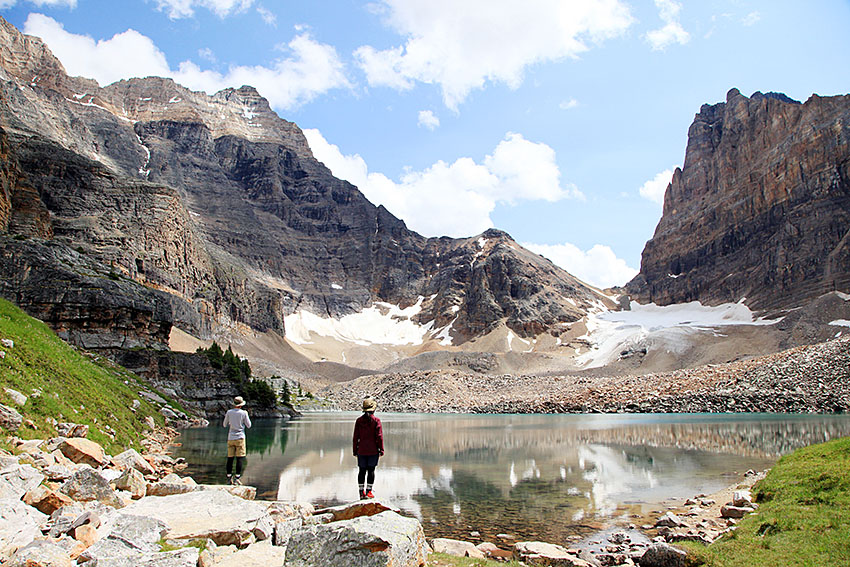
{"points": [[840, 322], [843, 296], [654, 327], [382, 323], [175, 100], [248, 114], [336, 286], [443, 334], [674, 276], [481, 242]]}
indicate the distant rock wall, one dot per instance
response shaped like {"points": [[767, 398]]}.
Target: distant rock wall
{"points": [[760, 209]]}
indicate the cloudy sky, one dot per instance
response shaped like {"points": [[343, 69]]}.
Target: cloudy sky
{"points": [[559, 121]]}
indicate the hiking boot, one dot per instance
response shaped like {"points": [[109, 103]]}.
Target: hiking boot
{"points": [[369, 494], [230, 479], [237, 481], [362, 494]]}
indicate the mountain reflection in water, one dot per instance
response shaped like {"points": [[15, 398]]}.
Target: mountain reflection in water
{"points": [[532, 476]]}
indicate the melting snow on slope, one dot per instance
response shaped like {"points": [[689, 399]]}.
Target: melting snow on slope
{"points": [[611, 332], [382, 323]]}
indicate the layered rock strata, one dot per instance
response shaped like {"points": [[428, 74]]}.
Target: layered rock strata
{"points": [[760, 209], [219, 202]]}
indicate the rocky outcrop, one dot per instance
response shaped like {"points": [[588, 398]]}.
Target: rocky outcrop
{"points": [[760, 209], [218, 202]]}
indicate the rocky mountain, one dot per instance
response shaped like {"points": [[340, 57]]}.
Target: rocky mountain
{"points": [[761, 208], [210, 213]]}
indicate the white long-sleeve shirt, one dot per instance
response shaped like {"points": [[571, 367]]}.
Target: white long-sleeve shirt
{"points": [[238, 421]]}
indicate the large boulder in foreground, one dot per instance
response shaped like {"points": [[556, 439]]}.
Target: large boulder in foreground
{"points": [[383, 540], [213, 514], [19, 525]]}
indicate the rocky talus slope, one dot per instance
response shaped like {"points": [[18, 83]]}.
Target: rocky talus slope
{"points": [[813, 378], [760, 208], [219, 203]]}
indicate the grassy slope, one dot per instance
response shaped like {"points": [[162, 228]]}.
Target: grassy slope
{"points": [[75, 387], [803, 517]]}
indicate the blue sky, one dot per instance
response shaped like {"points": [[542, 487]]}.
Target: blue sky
{"points": [[559, 121]]}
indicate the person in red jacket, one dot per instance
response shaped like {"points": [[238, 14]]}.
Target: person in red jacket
{"points": [[368, 445]]}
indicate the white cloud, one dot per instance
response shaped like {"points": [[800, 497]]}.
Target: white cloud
{"points": [[568, 104], [462, 46], [672, 31], [655, 188], [599, 266], [207, 54], [311, 69], [751, 19], [186, 8], [41, 3], [428, 119], [454, 199], [267, 15]]}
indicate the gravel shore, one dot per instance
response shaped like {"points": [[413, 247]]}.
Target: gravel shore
{"points": [[807, 379]]}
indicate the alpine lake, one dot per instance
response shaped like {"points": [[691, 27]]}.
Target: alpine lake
{"points": [[538, 477]]}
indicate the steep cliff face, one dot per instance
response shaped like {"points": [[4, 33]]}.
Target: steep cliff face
{"points": [[218, 202], [760, 209]]}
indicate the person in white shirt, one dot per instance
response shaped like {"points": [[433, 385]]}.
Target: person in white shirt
{"points": [[238, 421]]}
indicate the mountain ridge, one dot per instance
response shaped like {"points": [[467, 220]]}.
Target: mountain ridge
{"points": [[219, 202]]}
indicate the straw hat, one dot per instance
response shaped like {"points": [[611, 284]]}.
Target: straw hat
{"points": [[369, 404], [238, 401]]}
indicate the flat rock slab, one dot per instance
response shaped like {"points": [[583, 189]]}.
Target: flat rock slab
{"points": [[219, 516], [19, 525], [540, 553], [261, 554], [88, 485], [126, 536], [384, 540]]}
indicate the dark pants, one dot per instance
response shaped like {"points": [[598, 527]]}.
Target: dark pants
{"points": [[240, 465], [366, 464]]}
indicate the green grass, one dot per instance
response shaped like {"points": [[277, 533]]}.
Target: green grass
{"points": [[75, 387], [803, 517], [443, 560]]}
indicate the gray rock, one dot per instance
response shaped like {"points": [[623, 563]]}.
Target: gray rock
{"points": [[10, 419], [19, 525], [65, 429], [132, 459], [132, 481], [17, 397], [456, 547], [58, 473], [540, 553], [16, 480], [88, 485], [670, 520], [216, 515], [284, 528], [386, 539], [729, 511], [262, 554], [742, 498], [127, 536], [41, 553], [186, 557], [662, 555]]}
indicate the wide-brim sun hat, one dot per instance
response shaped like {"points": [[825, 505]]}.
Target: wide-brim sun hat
{"points": [[369, 404], [238, 401]]}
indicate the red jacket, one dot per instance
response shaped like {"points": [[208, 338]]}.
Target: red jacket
{"points": [[368, 436]]}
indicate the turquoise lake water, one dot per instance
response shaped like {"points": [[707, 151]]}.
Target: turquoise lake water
{"points": [[532, 476]]}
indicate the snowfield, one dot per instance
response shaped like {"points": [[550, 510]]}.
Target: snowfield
{"points": [[653, 327]]}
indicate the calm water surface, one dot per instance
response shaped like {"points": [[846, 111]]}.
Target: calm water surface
{"points": [[532, 476]]}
